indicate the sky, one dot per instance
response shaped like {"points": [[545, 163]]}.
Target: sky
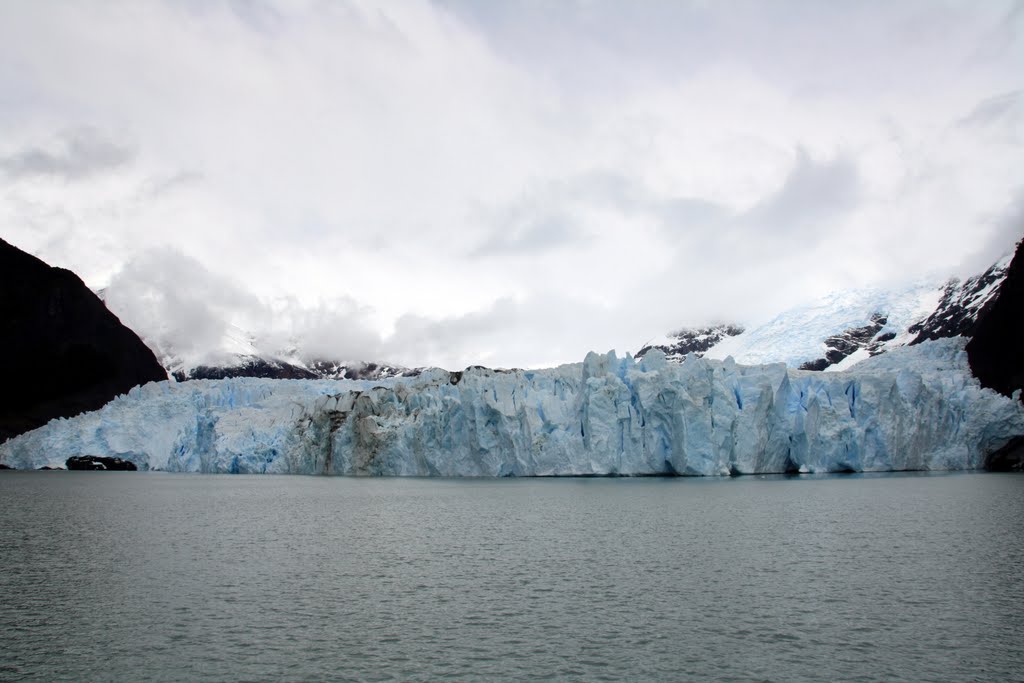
{"points": [[502, 183]]}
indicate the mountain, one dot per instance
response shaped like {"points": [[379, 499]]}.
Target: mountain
{"points": [[996, 349], [913, 408], [963, 305], [845, 328], [835, 333], [61, 351], [996, 356], [276, 368], [696, 340], [897, 395], [239, 354]]}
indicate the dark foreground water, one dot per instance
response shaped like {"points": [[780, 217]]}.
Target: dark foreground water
{"points": [[126, 576]]}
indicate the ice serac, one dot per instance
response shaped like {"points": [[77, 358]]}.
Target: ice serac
{"points": [[916, 408]]}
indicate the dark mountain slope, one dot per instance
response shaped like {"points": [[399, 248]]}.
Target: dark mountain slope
{"points": [[687, 340], [61, 351], [996, 350], [962, 306]]}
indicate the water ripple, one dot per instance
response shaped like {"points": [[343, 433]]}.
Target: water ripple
{"points": [[178, 577]]}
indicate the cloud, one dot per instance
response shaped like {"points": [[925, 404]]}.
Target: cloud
{"points": [[504, 334], [158, 186], [998, 108], [1003, 36], [339, 330], [539, 222], [179, 307], [811, 195], [1005, 229], [191, 315], [260, 15], [514, 183], [79, 152], [539, 234]]}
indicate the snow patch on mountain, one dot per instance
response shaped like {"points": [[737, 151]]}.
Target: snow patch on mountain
{"points": [[274, 368], [697, 340], [798, 335], [845, 328]]}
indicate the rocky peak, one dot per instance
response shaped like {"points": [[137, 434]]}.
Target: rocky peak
{"points": [[694, 340]]}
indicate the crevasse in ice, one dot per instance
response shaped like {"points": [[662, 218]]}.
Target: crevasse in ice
{"points": [[916, 408]]}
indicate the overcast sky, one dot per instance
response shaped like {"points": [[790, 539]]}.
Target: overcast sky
{"points": [[503, 183]]}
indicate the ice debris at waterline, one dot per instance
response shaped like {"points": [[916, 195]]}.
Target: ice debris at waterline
{"points": [[917, 408]]}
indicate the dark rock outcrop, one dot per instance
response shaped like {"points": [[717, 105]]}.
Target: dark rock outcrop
{"points": [[61, 351], [692, 340], [960, 310], [248, 367], [1009, 458], [961, 307], [840, 346], [98, 462], [996, 350], [370, 371], [254, 366]]}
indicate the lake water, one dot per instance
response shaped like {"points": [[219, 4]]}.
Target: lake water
{"points": [[164, 577]]}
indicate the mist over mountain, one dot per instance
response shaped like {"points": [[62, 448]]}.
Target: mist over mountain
{"points": [[833, 333]]}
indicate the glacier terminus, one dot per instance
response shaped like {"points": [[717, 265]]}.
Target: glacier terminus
{"points": [[915, 408]]}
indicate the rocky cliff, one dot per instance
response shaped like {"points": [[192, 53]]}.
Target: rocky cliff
{"points": [[61, 351]]}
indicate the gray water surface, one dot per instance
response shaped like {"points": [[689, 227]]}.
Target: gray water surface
{"points": [[163, 577]]}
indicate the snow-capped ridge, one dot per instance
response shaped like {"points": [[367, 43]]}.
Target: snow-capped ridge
{"points": [[961, 304], [841, 349], [275, 368], [239, 354], [684, 341], [845, 328]]}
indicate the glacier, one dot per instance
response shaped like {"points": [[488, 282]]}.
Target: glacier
{"points": [[915, 408], [797, 335]]}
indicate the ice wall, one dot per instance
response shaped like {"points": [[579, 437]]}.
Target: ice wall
{"points": [[912, 409]]}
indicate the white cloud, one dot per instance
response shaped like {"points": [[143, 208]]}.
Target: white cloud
{"points": [[510, 183], [195, 316], [165, 293], [82, 152]]}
